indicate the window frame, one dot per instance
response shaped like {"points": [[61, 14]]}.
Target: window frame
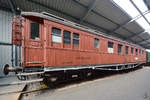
{"points": [[126, 50], [97, 45], [132, 51], [76, 39], [142, 52], [108, 46], [136, 51], [60, 36], [139, 52], [120, 45], [64, 38], [39, 35]]}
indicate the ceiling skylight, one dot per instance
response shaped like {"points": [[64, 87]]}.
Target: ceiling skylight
{"points": [[148, 16], [143, 23], [141, 5], [129, 8]]}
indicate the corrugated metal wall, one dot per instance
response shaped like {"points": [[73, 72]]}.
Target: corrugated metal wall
{"points": [[5, 37]]}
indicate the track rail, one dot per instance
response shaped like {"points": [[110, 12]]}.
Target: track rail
{"points": [[22, 82], [24, 92]]}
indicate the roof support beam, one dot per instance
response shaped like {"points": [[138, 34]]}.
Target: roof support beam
{"points": [[144, 40], [98, 27], [98, 14], [139, 11], [42, 5], [5, 9], [90, 7], [130, 21], [136, 35], [104, 17], [146, 3], [12, 5], [142, 16]]}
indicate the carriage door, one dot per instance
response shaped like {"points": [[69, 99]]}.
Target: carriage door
{"points": [[34, 44]]}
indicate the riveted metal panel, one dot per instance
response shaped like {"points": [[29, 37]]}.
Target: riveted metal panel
{"points": [[5, 26], [5, 37], [5, 57]]}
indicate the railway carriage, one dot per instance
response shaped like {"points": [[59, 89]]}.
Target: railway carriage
{"points": [[52, 44]]}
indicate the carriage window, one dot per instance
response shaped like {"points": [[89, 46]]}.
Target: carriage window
{"points": [[67, 37], [140, 52], [127, 49], [110, 47], [34, 31], [131, 51], [96, 43], [136, 51], [56, 35], [75, 39], [119, 49]]}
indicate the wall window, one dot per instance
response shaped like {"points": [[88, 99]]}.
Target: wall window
{"points": [[119, 49], [96, 43], [110, 47], [67, 37], [75, 39], [126, 49], [136, 52], [131, 51], [56, 35], [34, 31]]}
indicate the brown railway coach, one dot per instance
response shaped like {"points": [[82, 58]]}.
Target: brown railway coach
{"points": [[53, 43], [49, 43]]}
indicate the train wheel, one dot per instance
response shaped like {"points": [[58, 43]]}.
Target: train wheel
{"points": [[50, 81], [47, 82]]}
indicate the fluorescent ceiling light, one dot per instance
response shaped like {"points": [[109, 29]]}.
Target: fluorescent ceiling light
{"points": [[129, 8]]}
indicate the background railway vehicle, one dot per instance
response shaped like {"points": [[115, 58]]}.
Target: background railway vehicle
{"points": [[147, 58], [59, 49]]}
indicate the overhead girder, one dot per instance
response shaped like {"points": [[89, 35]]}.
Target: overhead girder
{"points": [[142, 16], [40, 4], [130, 21], [90, 7], [139, 11], [12, 5], [144, 40], [109, 20], [5, 9]]}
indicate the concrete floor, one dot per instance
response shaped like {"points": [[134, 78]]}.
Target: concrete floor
{"points": [[129, 86], [10, 88]]}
